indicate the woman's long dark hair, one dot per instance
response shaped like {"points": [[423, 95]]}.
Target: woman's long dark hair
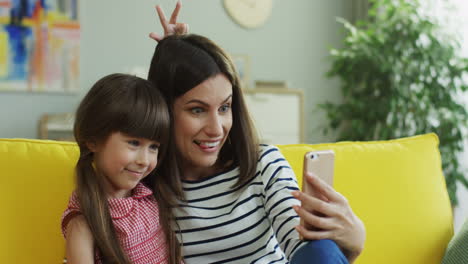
{"points": [[181, 62], [130, 105]]}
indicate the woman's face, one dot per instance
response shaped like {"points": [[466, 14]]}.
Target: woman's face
{"points": [[202, 121]]}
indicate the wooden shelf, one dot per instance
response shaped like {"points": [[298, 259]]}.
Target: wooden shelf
{"points": [[56, 126]]}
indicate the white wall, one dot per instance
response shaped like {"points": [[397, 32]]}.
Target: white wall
{"points": [[291, 46]]}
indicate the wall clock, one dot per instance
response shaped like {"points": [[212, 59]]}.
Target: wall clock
{"points": [[249, 13]]}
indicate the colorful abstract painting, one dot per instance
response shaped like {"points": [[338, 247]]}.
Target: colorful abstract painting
{"points": [[39, 45]]}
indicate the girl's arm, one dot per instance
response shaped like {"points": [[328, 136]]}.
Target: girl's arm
{"points": [[79, 242]]}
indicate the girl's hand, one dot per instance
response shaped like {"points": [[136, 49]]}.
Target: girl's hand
{"points": [[330, 217], [170, 27]]}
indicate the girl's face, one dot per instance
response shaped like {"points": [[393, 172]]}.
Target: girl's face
{"points": [[124, 161], [202, 121]]}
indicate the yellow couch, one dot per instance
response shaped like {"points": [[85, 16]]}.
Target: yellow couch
{"points": [[396, 187]]}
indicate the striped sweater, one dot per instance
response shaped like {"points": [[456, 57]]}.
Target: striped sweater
{"points": [[253, 223]]}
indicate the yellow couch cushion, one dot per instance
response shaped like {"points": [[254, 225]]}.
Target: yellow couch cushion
{"points": [[36, 181], [397, 188]]}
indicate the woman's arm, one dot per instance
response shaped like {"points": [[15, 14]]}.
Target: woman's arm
{"points": [[79, 242], [278, 183], [170, 27], [337, 222]]}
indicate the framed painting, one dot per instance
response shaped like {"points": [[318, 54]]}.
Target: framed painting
{"points": [[39, 45], [242, 64]]}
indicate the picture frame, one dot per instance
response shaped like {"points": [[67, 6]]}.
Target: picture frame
{"points": [[40, 55], [242, 65]]}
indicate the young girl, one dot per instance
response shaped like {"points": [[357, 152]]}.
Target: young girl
{"points": [[118, 213]]}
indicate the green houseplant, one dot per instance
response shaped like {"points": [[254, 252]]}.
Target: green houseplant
{"points": [[401, 76]]}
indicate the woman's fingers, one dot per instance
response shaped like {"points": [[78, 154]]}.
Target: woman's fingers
{"points": [[320, 186], [318, 222], [313, 204], [308, 234], [329, 217]]}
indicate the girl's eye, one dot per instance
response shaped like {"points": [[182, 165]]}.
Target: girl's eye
{"points": [[225, 108], [196, 110], [154, 146], [134, 143]]}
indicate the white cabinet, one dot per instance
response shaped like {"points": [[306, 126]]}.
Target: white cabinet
{"points": [[277, 114]]}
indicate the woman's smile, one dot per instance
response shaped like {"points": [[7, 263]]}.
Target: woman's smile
{"points": [[211, 145]]}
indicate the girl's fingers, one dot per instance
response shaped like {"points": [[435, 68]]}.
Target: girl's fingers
{"points": [[170, 27], [155, 36], [175, 13], [181, 28], [162, 17]]}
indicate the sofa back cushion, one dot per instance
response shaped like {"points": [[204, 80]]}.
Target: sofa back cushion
{"points": [[397, 188], [36, 181]]}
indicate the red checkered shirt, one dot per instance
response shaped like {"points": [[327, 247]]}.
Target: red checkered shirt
{"points": [[136, 222]]}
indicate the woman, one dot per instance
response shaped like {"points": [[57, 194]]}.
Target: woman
{"points": [[239, 201]]}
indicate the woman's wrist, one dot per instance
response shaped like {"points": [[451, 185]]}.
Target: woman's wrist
{"points": [[353, 253]]}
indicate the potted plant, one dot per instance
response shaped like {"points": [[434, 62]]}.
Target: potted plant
{"points": [[401, 76]]}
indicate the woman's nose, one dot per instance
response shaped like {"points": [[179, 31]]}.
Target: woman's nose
{"points": [[214, 126]]}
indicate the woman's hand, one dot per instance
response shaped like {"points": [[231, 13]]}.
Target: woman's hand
{"points": [[329, 217], [170, 27]]}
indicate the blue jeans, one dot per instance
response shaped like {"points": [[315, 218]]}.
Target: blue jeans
{"points": [[319, 251]]}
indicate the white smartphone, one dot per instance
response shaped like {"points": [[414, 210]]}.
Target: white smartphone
{"points": [[320, 163]]}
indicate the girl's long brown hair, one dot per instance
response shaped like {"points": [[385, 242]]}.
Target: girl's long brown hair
{"points": [[131, 105]]}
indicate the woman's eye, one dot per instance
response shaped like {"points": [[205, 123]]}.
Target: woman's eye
{"points": [[134, 143], [225, 108], [196, 110]]}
